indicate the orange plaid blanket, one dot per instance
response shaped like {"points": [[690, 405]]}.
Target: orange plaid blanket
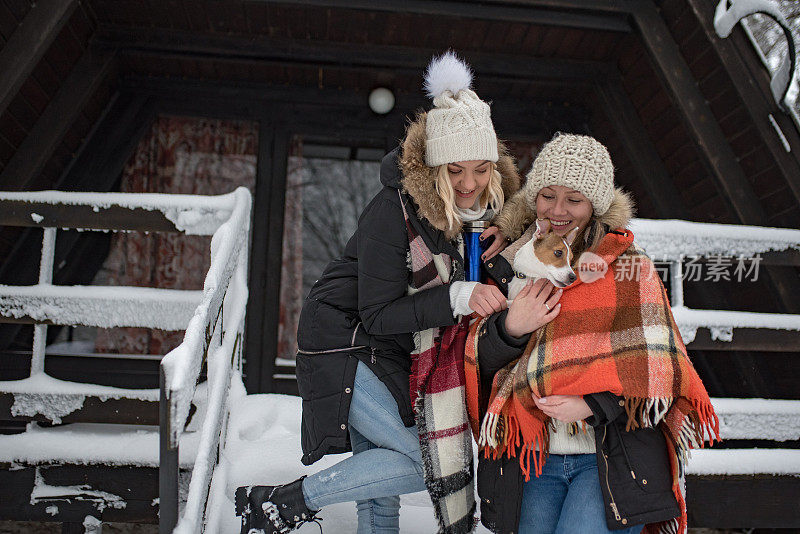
{"points": [[614, 334]]}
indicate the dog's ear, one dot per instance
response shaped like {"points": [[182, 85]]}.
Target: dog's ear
{"points": [[571, 235], [542, 227]]}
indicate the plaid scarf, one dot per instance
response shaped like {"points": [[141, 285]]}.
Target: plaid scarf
{"points": [[437, 388], [615, 334]]}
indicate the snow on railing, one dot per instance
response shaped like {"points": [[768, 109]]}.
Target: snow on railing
{"points": [[674, 241], [213, 318], [215, 332]]}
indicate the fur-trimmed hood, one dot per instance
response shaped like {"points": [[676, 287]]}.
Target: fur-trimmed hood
{"points": [[519, 212], [418, 180]]}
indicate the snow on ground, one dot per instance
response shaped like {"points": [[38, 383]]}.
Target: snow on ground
{"points": [[263, 447]]}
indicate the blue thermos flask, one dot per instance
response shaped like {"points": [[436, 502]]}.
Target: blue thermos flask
{"points": [[473, 248]]}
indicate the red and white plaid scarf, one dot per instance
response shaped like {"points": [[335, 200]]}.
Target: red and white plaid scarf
{"points": [[437, 388]]}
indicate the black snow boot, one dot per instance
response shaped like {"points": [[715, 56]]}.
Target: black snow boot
{"points": [[272, 509]]}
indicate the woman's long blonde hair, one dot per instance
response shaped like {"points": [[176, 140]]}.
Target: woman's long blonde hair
{"points": [[492, 197]]}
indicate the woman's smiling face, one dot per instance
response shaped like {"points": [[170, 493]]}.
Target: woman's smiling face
{"points": [[469, 179], [566, 208]]}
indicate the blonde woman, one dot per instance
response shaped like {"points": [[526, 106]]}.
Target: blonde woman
{"points": [[375, 310]]}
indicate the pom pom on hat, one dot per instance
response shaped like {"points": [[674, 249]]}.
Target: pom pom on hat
{"points": [[459, 127], [447, 73]]}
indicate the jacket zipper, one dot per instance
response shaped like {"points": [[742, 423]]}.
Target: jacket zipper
{"points": [[372, 354], [605, 459], [327, 351]]}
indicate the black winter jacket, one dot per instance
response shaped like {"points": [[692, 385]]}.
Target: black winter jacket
{"points": [[359, 310], [633, 467]]}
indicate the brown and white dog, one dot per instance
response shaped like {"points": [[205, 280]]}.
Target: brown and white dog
{"points": [[545, 255]]}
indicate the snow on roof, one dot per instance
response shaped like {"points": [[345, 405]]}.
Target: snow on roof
{"points": [[192, 214], [91, 444], [102, 306], [674, 239]]}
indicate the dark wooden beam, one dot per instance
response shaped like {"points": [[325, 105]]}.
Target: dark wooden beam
{"points": [[748, 339], [699, 119], [261, 49], [549, 13], [30, 158], [28, 43], [717, 154], [640, 149], [100, 160], [737, 501], [18, 213], [752, 85]]}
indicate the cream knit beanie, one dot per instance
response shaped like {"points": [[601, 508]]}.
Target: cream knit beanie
{"points": [[579, 162], [459, 127]]}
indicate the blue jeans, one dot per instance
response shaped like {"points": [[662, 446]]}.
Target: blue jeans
{"points": [[386, 460], [566, 498]]}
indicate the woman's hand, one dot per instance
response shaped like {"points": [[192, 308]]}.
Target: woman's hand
{"points": [[565, 408], [486, 300], [500, 242], [533, 308]]}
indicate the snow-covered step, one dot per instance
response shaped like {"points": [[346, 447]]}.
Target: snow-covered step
{"points": [[776, 420], [45, 398], [91, 444], [101, 306]]}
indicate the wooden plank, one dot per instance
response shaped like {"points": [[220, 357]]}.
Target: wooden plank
{"points": [[753, 89], [136, 486], [610, 18], [19, 213], [749, 339], [176, 44], [27, 45], [749, 501], [640, 149], [120, 411], [34, 152]]}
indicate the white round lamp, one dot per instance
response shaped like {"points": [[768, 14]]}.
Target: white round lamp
{"points": [[381, 100]]}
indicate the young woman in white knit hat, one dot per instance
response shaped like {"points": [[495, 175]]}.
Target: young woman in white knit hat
{"points": [[582, 398], [374, 323]]}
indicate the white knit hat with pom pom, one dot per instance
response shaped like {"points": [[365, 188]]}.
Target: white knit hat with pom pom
{"points": [[459, 127]]}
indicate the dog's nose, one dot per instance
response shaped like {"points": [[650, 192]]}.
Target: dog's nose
{"points": [[571, 278]]}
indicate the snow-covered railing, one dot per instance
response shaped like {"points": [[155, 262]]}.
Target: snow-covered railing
{"points": [[213, 318], [676, 241]]}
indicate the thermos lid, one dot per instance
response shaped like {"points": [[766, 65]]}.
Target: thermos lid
{"points": [[474, 226]]}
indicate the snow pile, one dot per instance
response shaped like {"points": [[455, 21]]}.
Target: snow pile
{"points": [[777, 420], [105, 307], [54, 407], [673, 239], [191, 214], [722, 323], [263, 447]]}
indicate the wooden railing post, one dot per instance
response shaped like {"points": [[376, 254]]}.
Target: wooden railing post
{"points": [[168, 469], [45, 277]]}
